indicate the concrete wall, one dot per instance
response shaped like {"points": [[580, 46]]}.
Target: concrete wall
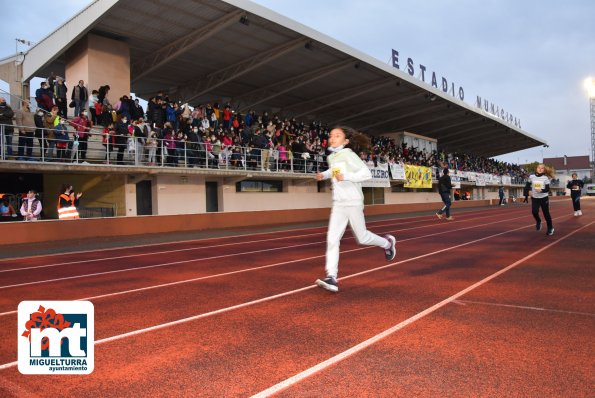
{"points": [[99, 61], [98, 191], [177, 194], [48, 230]]}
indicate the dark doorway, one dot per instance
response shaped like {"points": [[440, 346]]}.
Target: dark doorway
{"points": [[212, 196], [144, 201]]}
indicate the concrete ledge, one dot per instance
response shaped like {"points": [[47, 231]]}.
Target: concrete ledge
{"points": [[14, 233]]}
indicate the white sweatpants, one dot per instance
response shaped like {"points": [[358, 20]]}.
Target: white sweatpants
{"points": [[340, 216]]}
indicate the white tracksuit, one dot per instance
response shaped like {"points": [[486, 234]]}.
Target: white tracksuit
{"points": [[348, 206]]}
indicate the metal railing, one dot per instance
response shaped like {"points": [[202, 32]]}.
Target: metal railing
{"points": [[95, 147]]}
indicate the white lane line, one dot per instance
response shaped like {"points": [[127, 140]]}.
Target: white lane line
{"points": [[392, 221], [523, 307], [249, 303], [144, 254], [248, 234], [261, 267], [229, 255], [367, 343], [215, 246], [264, 299]]}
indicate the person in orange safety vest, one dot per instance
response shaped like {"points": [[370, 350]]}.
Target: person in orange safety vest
{"points": [[67, 203]]}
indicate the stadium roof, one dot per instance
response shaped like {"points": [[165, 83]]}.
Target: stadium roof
{"points": [[239, 52], [569, 162]]}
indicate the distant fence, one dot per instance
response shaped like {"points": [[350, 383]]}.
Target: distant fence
{"points": [[96, 212]]}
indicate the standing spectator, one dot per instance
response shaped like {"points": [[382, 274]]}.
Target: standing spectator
{"points": [[80, 95], [501, 195], [6, 115], [108, 140], [82, 125], [7, 212], [39, 133], [105, 117], [137, 110], [170, 145], [152, 148], [122, 135], [575, 185], [526, 191], [227, 117], [68, 203], [93, 101], [60, 91], [51, 120], [44, 97], [31, 207], [444, 188], [62, 139], [26, 123]]}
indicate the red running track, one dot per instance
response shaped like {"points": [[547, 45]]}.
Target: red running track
{"points": [[481, 306]]}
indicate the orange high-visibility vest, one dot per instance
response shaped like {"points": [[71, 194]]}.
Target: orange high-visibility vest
{"points": [[67, 212]]}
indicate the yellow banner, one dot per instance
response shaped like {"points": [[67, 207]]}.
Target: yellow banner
{"points": [[418, 177]]}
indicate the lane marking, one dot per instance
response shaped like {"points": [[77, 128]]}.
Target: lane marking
{"points": [[261, 267], [367, 343], [144, 254], [389, 222], [265, 299], [247, 234], [522, 307], [230, 255]]}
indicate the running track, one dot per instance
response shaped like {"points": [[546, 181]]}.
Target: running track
{"points": [[483, 306]]}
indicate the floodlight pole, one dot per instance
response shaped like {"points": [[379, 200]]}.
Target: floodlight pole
{"points": [[592, 104], [590, 86]]}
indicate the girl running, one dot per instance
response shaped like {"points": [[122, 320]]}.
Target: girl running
{"points": [[540, 188], [575, 185], [347, 172]]}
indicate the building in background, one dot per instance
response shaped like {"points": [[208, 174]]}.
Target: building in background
{"points": [[566, 165]]}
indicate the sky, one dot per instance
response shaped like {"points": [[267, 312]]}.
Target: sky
{"points": [[530, 57]]}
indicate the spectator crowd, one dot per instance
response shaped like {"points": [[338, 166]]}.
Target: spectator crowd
{"points": [[168, 132]]}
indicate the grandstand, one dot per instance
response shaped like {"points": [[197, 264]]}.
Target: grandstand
{"points": [[261, 62]]}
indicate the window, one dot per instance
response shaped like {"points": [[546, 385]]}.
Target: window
{"points": [[259, 186], [373, 196]]}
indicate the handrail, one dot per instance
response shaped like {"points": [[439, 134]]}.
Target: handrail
{"points": [[96, 148]]}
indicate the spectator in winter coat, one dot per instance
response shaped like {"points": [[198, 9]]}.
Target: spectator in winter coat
{"points": [[60, 97], [80, 95], [26, 122], [44, 97], [6, 115]]}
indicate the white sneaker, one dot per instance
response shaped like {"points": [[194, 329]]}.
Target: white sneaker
{"points": [[576, 213], [580, 212]]}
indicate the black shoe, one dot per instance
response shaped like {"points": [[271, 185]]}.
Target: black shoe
{"points": [[550, 232], [538, 226], [391, 252], [329, 283]]}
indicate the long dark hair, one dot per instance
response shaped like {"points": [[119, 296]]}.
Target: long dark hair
{"points": [[358, 142], [65, 187]]}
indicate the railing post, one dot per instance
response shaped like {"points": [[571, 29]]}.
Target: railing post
{"points": [[3, 143], [43, 145]]}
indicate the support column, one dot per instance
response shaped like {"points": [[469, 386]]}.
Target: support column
{"points": [[11, 73], [99, 61]]}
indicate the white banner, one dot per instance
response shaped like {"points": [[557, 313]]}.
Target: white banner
{"points": [[506, 180], [379, 178], [397, 171]]}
